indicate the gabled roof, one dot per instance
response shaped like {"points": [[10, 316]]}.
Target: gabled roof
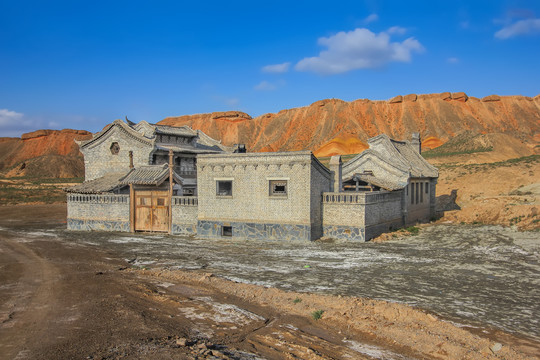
{"points": [[384, 183], [403, 155], [122, 126], [175, 130], [150, 175], [419, 167], [104, 184], [392, 164]]}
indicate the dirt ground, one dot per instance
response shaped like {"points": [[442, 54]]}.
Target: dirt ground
{"points": [[504, 193], [69, 301]]}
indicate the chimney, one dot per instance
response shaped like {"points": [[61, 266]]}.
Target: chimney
{"points": [[416, 143], [130, 159], [336, 168]]}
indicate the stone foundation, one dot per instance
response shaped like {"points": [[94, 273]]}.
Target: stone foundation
{"points": [[256, 231], [97, 225]]}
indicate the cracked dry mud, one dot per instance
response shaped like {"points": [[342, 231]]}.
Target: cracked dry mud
{"points": [[63, 299]]}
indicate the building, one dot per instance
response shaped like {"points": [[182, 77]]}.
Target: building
{"points": [[144, 177]]}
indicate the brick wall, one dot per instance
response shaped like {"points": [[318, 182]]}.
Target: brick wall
{"points": [[251, 203], [98, 212], [98, 159]]}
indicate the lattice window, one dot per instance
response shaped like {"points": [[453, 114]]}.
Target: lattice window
{"points": [[115, 148], [278, 187]]}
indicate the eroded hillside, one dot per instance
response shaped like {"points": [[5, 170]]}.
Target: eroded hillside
{"points": [[333, 126]]}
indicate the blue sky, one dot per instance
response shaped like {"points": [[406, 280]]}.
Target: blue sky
{"points": [[82, 64]]}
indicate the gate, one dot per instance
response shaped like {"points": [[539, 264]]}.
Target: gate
{"points": [[152, 211]]}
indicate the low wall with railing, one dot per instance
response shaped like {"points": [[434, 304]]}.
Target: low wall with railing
{"points": [[106, 212], [184, 215], [361, 215]]}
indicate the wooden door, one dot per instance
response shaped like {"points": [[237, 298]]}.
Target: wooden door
{"points": [[152, 211]]}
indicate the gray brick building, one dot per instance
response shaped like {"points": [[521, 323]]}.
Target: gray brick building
{"points": [[145, 177]]}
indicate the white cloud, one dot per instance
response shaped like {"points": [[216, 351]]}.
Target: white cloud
{"points": [[371, 18], [265, 86], [452, 60], [8, 117], [277, 68], [398, 30], [520, 27], [14, 124], [359, 49]]}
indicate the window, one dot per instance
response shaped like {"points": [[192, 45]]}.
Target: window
{"points": [[224, 187], [115, 148], [278, 187], [421, 192], [226, 231], [427, 187], [412, 193], [416, 198]]}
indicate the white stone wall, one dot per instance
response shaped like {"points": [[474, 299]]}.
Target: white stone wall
{"points": [[250, 174], [321, 181], [98, 159], [98, 212], [184, 210]]}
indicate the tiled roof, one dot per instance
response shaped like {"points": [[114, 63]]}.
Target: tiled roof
{"points": [[149, 175], [175, 130], [200, 149], [419, 167], [106, 183], [385, 183]]}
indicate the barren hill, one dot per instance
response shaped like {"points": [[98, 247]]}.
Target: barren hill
{"points": [[43, 153], [334, 126]]}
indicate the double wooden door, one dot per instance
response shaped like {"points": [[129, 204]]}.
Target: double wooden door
{"points": [[152, 211]]}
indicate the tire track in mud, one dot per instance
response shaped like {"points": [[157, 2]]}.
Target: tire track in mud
{"points": [[26, 300]]}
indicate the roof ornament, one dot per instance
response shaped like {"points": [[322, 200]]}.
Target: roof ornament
{"points": [[129, 122]]}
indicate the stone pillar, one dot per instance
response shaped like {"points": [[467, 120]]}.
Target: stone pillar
{"points": [[416, 142], [336, 168], [130, 159]]}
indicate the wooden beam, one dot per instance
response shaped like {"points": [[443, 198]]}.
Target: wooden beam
{"points": [[131, 208]]}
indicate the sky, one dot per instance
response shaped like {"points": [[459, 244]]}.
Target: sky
{"points": [[82, 64]]}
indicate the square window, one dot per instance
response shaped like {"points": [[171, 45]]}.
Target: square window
{"points": [[224, 187], [278, 187], [226, 231]]}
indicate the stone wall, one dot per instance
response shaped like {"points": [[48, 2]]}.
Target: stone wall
{"points": [[99, 160], [184, 215], [321, 181], [361, 216], [251, 211], [98, 212], [418, 201]]}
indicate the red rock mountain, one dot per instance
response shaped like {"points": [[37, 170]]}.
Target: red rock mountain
{"points": [[50, 153], [334, 126], [326, 127]]}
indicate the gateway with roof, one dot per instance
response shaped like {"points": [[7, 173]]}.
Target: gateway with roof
{"points": [[153, 178]]}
